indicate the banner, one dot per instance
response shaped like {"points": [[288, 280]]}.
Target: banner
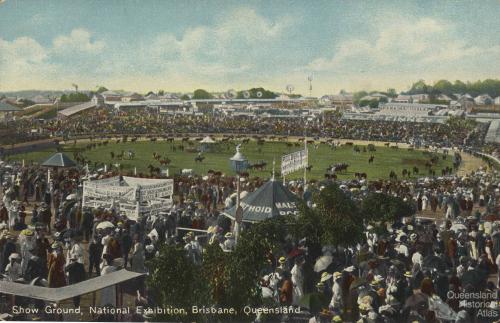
{"points": [[155, 191], [294, 161]]}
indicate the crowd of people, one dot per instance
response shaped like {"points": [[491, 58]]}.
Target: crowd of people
{"points": [[406, 271], [106, 122]]}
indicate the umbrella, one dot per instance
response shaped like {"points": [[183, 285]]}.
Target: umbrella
{"points": [[458, 227], [322, 263], [267, 292], [105, 225], [314, 302], [357, 283], [417, 301], [434, 262], [71, 197]]}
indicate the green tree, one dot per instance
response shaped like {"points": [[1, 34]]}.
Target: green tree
{"points": [[392, 93], [339, 216], [161, 92], [381, 207], [358, 95], [443, 86], [185, 97], [201, 94], [75, 97], [175, 281], [419, 87], [101, 89]]}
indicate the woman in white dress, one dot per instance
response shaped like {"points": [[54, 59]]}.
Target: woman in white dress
{"points": [[108, 294], [137, 256]]}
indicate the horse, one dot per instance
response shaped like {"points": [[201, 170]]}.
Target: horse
{"points": [[199, 159], [165, 161], [371, 159]]}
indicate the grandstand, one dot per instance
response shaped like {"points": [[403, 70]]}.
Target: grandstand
{"points": [[395, 117], [493, 134], [76, 109]]}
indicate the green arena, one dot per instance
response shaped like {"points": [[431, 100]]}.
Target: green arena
{"points": [[216, 157]]}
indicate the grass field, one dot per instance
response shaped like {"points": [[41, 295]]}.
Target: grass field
{"points": [[386, 159]]}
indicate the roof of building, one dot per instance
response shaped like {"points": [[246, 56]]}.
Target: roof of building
{"points": [[67, 292], [77, 108], [59, 160], [5, 107]]}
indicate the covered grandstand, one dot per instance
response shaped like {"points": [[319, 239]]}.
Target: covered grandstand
{"points": [[493, 134]]}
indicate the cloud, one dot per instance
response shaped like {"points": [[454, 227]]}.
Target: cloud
{"points": [[78, 40], [402, 42]]}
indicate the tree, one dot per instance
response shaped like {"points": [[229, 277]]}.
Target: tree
{"points": [[201, 94], [265, 94], [175, 281], [75, 97], [380, 207], [358, 95], [185, 97], [339, 216], [443, 86], [419, 87], [392, 93], [161, 92], [101, 89]]}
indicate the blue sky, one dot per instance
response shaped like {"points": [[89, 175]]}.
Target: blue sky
{"points": [[218, 45]]}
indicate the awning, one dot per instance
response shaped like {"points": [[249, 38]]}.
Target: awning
{"points": [[269, 200], [57, 295], [59, 160]]}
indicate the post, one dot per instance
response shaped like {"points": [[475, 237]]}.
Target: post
{"points": [[236, 224], [307, 162]]}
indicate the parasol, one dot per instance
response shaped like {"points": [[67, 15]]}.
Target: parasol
{"points": [[322, 263]]}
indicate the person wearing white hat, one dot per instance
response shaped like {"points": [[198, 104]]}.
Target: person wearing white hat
{"points": [[229, 243], [13, 268], [336, 302]]}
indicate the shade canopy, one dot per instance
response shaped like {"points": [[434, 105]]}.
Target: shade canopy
{"points": [[59, 160], [70, 291], [207, 140], [269, 200]]}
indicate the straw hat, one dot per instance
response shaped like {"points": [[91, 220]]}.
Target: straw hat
{"points": [[408, 274], [337, 319], [336, 275], [282, 260], [320, 285], [228, 235], [325, 276]]}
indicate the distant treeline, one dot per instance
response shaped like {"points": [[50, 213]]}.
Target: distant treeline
{"points": [[488, 86], [75, 97]]}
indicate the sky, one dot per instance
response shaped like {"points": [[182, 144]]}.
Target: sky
{"points": [[178, 46]]}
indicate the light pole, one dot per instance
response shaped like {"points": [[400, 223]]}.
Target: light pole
{"points": [[239, 163]]}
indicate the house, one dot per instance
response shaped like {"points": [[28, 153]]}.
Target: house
{"points": [[40, 99], [420, 98], [111, 96], [7, 111], [402, 98], [483, 99], [497, 101], [151, 96], [443, 97], [131, 97]]}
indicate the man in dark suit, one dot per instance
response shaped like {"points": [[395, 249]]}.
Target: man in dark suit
{"points": [[76, 274]]}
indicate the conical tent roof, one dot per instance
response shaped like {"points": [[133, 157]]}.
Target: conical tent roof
{"points": [[269, 200], [59, 160], [207, 140]]}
